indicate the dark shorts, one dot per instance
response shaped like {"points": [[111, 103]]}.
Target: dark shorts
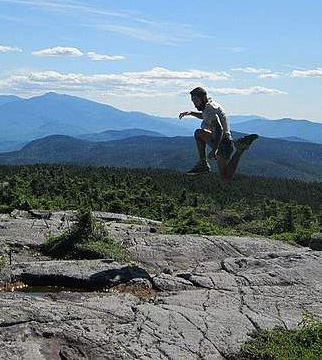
{"points": [[226, 148]]}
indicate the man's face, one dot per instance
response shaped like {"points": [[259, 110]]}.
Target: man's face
{"points": [[198, 103]]}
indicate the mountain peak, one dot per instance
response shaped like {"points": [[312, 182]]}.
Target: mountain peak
{"points": [[52, 94], [48, 95]]}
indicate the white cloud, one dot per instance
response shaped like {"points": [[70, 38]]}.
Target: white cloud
{"points": [[155, 82], [307, 73], [269, 76], [8, 49], [100, 57], [157, 77], [262, 73], [59, 51], [165, 74], [253, 90], [251, 70]]}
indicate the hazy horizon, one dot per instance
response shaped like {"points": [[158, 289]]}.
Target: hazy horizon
{"points": [[146, 112]]}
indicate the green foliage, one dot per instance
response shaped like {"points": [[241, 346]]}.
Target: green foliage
{"points": [[283, 209], [5, 209], [281, 344], [3, 262], [300, 236], [319, 219], [264, 227], [187, 222], [87, 239]]}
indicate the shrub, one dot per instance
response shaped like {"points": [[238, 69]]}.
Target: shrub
{"points": [[281, 344], [187, 222], [3, 262], [87, 239], [265, 227], [6, 209], [300, 236]]}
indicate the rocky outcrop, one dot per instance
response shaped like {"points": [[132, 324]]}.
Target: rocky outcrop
{"points": [[181, 297]]}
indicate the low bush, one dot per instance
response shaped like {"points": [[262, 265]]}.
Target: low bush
{"points": [[281, 344], [87, 239], [187, 222], [3, 262]]}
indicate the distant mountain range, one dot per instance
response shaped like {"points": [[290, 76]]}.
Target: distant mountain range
{"points": [[237, 119], [28, 119], [293, 138], [107, 135], [4, 99], [69, 129], [303, 129], [110, 135], [23, 120], [267, 157]]}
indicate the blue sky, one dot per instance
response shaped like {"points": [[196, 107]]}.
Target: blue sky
{"points": [[254, 57]]}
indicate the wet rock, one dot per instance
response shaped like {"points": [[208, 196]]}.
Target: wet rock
{"points": [[316, 242]]}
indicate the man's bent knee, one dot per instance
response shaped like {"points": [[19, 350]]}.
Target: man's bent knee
{"points": [[198, 133], [202, 134]]}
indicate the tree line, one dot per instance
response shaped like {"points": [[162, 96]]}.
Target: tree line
{"points": [[248, 205]]}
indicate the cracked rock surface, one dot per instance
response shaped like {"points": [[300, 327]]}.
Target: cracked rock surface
{"points": [[199, 297]]}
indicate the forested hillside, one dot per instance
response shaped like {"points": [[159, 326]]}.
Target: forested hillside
{"points": [[267, 157], [285, 209]]}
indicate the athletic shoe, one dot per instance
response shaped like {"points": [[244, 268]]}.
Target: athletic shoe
{"points": [[245, 142], [200, 168]]}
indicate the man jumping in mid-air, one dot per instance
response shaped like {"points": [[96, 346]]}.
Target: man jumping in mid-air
{"points": [[215, 132]]}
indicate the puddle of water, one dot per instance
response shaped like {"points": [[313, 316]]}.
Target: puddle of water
{"points": [[21, 287], [50, 289], [138, 291]]}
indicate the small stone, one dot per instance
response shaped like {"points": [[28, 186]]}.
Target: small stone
{"points": [[47, 334], [168, 270]]}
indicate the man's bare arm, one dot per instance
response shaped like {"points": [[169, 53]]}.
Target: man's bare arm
{"points": [[191, 113]]}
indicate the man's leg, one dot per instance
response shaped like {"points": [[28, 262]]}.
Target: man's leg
{"points": [[202, 137], [226, 168]]}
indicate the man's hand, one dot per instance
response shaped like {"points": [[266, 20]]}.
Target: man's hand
{"points": [[212, 155], [185, 113]]}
